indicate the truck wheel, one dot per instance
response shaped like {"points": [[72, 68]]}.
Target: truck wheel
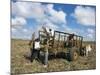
{"points": [[73, 54]]}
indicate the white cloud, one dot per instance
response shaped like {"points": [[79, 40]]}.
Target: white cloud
{"points": [[37, 11], [90, 30], [27, 9], [13, 29], [49, 17], [85, 15], [17, 21], [22, 33], [56, 16], [90, 36], [25, 30], [91, 33], [40, 13]]}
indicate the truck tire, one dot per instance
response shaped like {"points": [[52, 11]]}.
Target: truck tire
{"points": [[73, 54]]}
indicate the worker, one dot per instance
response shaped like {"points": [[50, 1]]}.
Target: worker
{"points": [[36, 50], [34, 47], [50, 32], [50, 37], [47, 44], [70, 40]]}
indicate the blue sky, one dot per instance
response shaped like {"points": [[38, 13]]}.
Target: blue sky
{"points": [[29, 17]]}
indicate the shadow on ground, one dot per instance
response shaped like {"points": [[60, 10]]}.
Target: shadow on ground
{"points": [[51, 56]]}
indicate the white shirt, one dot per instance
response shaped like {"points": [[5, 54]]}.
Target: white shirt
{"points": [[88, 48], [37, 45]]}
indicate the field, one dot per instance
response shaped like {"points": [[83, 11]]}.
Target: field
{"points": [[20, 62]]}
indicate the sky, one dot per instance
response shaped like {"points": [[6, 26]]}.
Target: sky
{"points": [[29, 17]]}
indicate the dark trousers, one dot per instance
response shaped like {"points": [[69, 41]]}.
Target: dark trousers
{"points": [[34, 54]]}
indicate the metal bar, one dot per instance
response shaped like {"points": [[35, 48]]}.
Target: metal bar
{"points": [[64, 41], [81, 44], [58, 40], [64, 37], [68, 33], [53, 39], [76, 42], [39, 35]]}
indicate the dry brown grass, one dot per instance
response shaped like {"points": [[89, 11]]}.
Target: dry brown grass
{"points": [[20, 64]]}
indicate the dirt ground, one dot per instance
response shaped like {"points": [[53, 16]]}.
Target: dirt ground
{"points": [[21, 64]]}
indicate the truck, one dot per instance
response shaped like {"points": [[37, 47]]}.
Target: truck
{"points": [[70, 44]]}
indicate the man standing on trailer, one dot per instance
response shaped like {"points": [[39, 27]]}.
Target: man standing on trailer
{"points": [[70, 40], [49, 38]]}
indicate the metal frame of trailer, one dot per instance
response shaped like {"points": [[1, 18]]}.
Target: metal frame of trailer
{"points": [[58, 41]]}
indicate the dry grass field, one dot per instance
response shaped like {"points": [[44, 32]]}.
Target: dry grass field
{"points": [[21, 64]]}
